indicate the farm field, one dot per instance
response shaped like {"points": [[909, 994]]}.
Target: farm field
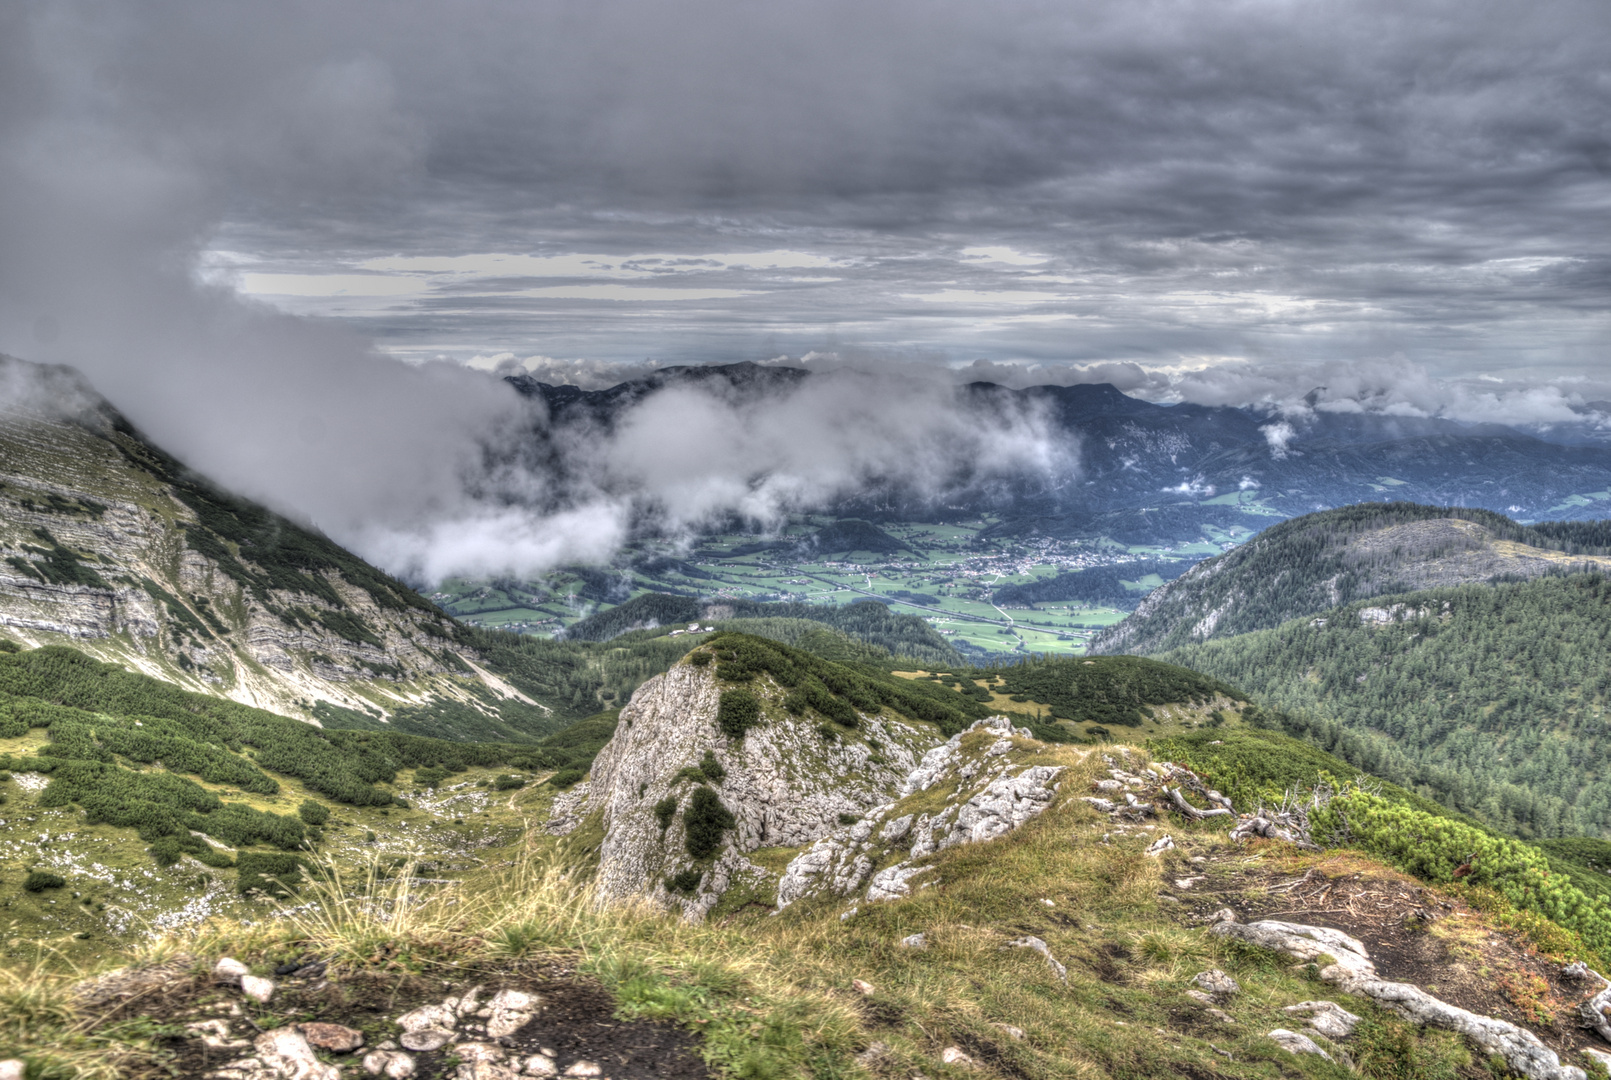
{"points": [[945, 573]]}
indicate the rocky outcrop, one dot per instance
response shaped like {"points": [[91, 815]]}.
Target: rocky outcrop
{"points": [[1347, 965], [994, 794], [783, 782]]}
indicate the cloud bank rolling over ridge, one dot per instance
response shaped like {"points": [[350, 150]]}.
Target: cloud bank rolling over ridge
{"points": [[237, 221]]}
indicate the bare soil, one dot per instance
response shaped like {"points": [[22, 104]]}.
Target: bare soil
{"points": [[575, 1023]]}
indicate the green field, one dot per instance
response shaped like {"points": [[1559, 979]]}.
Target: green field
{"points": [[946, 577]]}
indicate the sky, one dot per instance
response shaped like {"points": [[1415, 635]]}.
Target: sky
{"points": [[294, 240]]}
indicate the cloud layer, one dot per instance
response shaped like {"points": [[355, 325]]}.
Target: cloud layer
{"points": [[236, 219]]}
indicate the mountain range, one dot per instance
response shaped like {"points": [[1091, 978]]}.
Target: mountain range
{"points": [[1151, 473]]}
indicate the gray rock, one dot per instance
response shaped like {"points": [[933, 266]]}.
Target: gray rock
{"points": [[287, 1056], [393, 1064], [915, 941], [1215, 982], [1327, 1017], [256, 988], [1294, 1043], [230, 971], [1348, 967], [1041, 947]]}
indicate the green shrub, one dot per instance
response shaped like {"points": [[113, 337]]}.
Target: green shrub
{"points": [[848, 819], [508, 782], [711, 768], [665, 810], [738, 711], [705, 821], [313, 813], [269, 873], [40, 880], [685, 882], [567, 778], [699, 659]]}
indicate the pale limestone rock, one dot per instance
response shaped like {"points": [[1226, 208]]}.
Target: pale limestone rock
{"points": [[585, 1068], [393, 1064], [953, 1055], [288, 1055], [12, 1069], [509, 1011], [1215, 982], [1348, 967], [1041, 947], [915, 941], [1327, 1017], [783, 784], [257, 988], [1293, 1043], [541, 1065], [230, 971]]}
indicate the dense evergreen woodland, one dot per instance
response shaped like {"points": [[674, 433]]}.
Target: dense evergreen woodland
{"points": [[1318, 561], [1491, 699], [1107, 689]]}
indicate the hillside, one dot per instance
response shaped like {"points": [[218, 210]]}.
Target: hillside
{"points": [[895, 901], [1319, 561], [1488, 698], [866, 620], [110, 544]]}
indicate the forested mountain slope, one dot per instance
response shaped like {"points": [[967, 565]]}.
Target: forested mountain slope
{"points": [[1492, 699], [1319, 561]]}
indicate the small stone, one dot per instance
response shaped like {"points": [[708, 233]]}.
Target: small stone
{"points": [[1161, 845], [287, 1054], [485, 1070], [863, 987], [476, 1051], [541, 1065], [1327, 1017], [389, 1063], [12, 1069], [1048, 903], [953, 1055], [1223, 915], [1011, 1032], [1293, 1043], [1599, 1056], [332, 1037], [468, 1004], [874, 1052], [915, 941], [426, 1039], [257, 988], [509, 1011], [585, 1068], [215, 1035], [230, 971], [1216, 982]]}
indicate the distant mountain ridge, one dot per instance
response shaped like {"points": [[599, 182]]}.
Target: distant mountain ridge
{"points": [[1319, 561], [1153, 473]]}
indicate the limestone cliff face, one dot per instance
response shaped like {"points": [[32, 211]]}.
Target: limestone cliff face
{"points": [[853, 815], [784, 783], [102, 547]]}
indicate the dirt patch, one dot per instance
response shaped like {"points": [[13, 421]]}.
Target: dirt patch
{"points": [[1429, 938], [575, 1023]]}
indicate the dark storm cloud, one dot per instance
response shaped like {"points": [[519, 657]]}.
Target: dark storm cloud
{"points": [[1211, 200]]}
